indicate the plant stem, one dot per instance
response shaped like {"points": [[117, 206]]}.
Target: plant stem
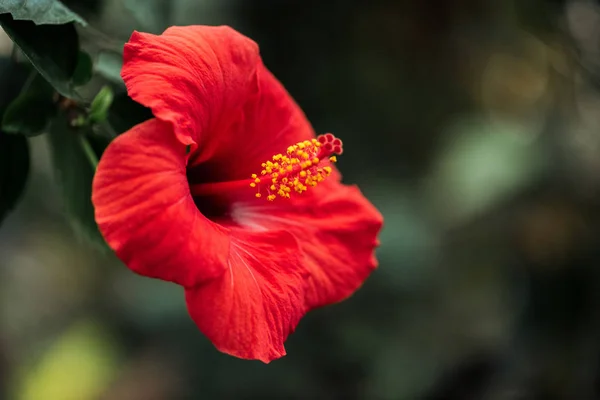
{"points": [[89, 152], [29, 81]]}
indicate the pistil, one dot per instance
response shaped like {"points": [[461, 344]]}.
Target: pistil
{"points": [[304, 165]]}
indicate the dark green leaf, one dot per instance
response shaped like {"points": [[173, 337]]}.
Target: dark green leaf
{"points": [[101, 104], [126, 113], [14, 169], [12, 78], [40, 11], [83, 71], [52, 49], [75, 172], [31, 111]]}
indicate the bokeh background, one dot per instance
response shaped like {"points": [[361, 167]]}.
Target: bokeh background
{"points": [[473, 125]]}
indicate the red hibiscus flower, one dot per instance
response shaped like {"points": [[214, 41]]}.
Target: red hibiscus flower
{"points": [[228, 192]]}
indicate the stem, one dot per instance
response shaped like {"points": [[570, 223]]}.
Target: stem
{"points": [[14, 52], [89, 152], [29, 81]]}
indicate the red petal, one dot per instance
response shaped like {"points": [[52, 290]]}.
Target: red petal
{"points": [[250, 311], [269, 122], [336, 228], [190, 76], [146, 213], [210, 83]]}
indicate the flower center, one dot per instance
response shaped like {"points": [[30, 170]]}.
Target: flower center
{"points": [[301, 167], [304, 165]]}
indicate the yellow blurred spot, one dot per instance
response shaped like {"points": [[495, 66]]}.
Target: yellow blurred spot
{"points": [[79, 365]]}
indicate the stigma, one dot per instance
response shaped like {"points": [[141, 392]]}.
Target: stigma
{"points": [[304, 165]]}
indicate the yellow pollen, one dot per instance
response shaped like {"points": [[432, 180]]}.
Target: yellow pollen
{"points": [[303, 166]]}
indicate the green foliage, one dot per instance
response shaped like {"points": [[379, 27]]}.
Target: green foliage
{"points": [[31, 111], [14, 169], [45, 33], [72, 159], [483, 164], [83, 71], [153, 15], [101, 104], [108, 65], [52, 49], [40, 12]]}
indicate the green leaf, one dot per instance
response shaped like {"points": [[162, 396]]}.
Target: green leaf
{"points": [[152, 15], [109, 65], [126, 113], [14, 169], [101, 104], [83, 70], [12, 78], [41, 12], [483, 164], [31, 111], [74, 173], [52, 49]]}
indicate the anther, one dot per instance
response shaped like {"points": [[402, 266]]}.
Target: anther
{"points": [[304, 165]]}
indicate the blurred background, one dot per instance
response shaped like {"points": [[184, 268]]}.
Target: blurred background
{"points": [[473, 125]]}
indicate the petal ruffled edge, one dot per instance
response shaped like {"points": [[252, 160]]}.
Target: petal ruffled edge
{"points": [[190, 76]]}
